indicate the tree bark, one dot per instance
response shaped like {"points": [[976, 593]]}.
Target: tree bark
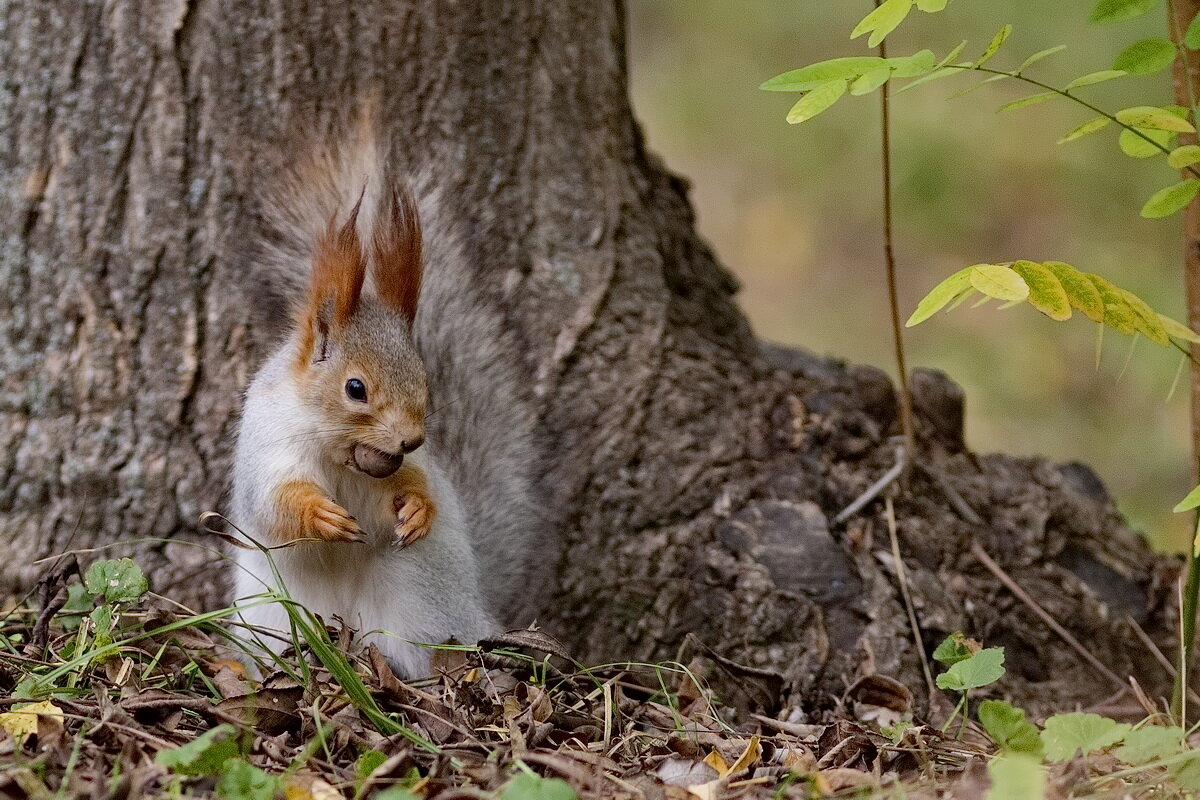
{"points": [[694, 470]]}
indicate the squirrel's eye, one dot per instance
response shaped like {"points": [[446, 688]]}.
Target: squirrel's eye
{"points": [[356, 390]]}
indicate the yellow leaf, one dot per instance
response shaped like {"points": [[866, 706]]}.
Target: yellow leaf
{"points": [[22, 721], [748, 756], [309, 787], [1178, 330], [999, 282], [717, 762]]}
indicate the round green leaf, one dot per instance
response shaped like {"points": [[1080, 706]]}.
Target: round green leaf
{"points": [[1081, 292], [983, 668], [1191, 39], [1120, 10], [1154, 118], [1146, 57], [1046, 292], [116, 581], [999, 282], [1183, 157], [1066, 734], [816, 101], [1146, 145], [1173, 198], [1016, 776]]}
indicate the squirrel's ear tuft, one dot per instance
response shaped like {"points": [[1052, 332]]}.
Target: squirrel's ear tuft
{"points": [[396, 252], [339, 268]]}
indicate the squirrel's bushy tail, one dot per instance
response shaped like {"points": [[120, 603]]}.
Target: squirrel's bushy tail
{"points": [[481, 425]]}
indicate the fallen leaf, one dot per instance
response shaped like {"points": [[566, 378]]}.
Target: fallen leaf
{"points": [[22, 721]]}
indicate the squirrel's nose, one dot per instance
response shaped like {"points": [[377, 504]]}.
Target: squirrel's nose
{"points": [[412, 442]]}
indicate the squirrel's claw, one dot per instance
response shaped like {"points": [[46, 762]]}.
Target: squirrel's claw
{"points": [[332, 523], [414, 514]]}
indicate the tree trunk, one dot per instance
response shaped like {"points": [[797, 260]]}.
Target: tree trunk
{"points": [[694, 471]]}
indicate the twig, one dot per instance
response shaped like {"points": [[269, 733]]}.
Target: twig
{"points": [[1052, 623], [1158, 654], [902, 577], [875, 488], [956, 500], [907, 425]]}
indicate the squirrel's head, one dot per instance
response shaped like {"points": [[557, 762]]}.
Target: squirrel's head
{"points": [[356, 362]]}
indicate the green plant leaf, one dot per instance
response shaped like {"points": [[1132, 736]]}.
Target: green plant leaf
{"points": [[1117, 313], [999, 282], [865, 84], [1038, 56], [1155, 119], [1147, 57], [204, 755], [1093, 78], [1187, 772], [821, 73], [1186, 156], [983, 668], [1081, 292], [932, 6], [116, 581], [1150, 743], [882, 21], [1016, 776], [956, 647], [1137, 146], [1146, 319], [241, 780], [994, 46], [1177, 330], [1031, 100], [816, 101], [1046, 292], [368, 762], [913, 66], [1009, 729], [1066, 734], [1120, 10], [532, 787], [1173, 198], [1188, 503], [1191, 39], [940, 296], [1089, 127]]}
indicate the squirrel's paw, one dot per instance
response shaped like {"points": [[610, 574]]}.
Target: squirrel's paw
{"points": [[329, 521], [414, 515]]}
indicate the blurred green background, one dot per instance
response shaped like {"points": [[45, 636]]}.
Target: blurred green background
{"points": [[794, 211]]}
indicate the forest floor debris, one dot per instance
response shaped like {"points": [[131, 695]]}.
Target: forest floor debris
{"points": [[107, 690]]}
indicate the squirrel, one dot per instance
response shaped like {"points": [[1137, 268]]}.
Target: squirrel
{"points": [[409, 538]]}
